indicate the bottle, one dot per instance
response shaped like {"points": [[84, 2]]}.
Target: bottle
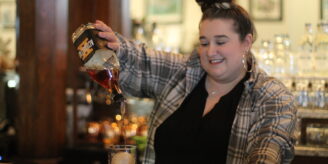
{"points": [[140, 35], [279, 56], [266, 57], [319, 101], [305, 52], [321, 51], [156, 39], [100, 62], [290, 62], [302, 95], [326, 94]]}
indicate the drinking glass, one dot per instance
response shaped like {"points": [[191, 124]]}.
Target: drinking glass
{"points": [[122, 154]]}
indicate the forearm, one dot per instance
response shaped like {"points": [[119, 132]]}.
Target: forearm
{"points": [[144, 71], [271, 138], [269, 151]]}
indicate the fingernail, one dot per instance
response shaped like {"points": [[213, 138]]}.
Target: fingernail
{"points": [[100, 33]]}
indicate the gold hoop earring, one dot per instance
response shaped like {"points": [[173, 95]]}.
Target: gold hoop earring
{"points": [[244, 61]]}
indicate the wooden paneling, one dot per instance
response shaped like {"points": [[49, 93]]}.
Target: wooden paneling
{"points": [[41, 52]]}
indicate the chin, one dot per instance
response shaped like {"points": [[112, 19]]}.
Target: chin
{"points": [[216, 75]]}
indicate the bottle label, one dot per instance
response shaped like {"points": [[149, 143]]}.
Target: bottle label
{"points": [[85, 46], [88, 43]]}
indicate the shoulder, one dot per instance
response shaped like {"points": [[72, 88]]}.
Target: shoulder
{"points": [[270, 88], [272, 99]]}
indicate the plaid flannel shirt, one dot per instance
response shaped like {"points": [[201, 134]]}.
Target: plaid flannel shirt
{"points": [[263, 127]]}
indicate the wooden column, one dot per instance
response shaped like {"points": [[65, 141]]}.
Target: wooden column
{"points": [[42, 56]]}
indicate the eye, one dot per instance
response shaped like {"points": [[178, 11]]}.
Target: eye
{"points": [[203, 43], [219, 42]]}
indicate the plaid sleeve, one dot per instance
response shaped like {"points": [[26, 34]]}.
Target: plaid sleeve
{"points": [[144, 71], [271, 137]]}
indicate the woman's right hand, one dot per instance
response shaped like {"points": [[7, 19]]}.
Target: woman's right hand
{"points": [[108, 34]]}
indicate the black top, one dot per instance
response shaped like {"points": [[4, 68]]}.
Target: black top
{"points": [[189, 137]]}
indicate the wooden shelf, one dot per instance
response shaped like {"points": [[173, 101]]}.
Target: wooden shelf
{"points": [[313, 113], [311, 151]]}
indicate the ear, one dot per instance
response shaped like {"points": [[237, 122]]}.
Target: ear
{"points": [[248, 41]]}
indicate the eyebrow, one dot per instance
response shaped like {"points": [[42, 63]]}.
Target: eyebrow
{"points": [[216, 37]]}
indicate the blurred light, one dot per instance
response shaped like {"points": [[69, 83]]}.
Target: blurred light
{"points": [[88, 98], [114, 125], [93, 128], [134, 126], [108, 101], [0, 157], [118, 117], [11, 83], [134, 119], [125, 121]]}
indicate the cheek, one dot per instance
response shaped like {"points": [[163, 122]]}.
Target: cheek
{"points": [[202, 58], [201, 50], [237, 60], [235, 57], [201, 53]]}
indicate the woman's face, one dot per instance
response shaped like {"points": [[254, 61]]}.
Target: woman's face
{"points": [[221, 50]]}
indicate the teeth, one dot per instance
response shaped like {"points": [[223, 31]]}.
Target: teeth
{"points": [[216, 60]]}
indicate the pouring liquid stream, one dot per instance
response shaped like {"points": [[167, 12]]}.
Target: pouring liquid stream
{"points": [[122, 127]]}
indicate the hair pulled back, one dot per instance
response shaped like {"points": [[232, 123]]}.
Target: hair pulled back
{"points": [[228, 9]]}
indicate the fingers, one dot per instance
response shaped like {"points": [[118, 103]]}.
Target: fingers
{"points": [[102, 26], [113, 46], [113, 42], [107, 33], [110, 36]]}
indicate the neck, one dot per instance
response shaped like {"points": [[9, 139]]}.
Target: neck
{"points": [[219, 88]]}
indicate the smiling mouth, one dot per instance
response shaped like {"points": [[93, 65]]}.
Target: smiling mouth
{"points": [[216, 61]]}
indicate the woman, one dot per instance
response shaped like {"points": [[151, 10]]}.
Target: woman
{"points": [[215, 105]]}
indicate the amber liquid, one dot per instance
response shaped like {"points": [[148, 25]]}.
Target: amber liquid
{"points": [[108, 78]]}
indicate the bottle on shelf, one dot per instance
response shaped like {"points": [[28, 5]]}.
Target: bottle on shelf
{"points": [[265, 57], [279, 56], [326, 94], [290, 62], [302, 94], [319, 101], [140, 34], [311, 95], [156, 38], [305, 52], [321, 51]]}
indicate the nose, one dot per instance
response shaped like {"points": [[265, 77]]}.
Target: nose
{"points": [[212, 50]]}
